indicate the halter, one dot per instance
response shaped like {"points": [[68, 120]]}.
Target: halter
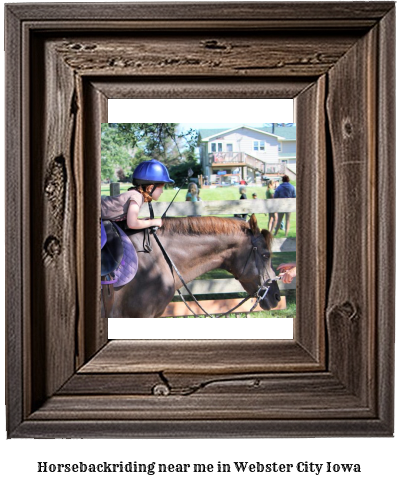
{"points": [[259, 294]]}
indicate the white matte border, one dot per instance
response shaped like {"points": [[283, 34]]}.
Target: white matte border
{"points": [[190, 329], [201, 111], [196, 113]]}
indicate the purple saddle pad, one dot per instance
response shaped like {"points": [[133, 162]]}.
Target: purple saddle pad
{"points": [[128, 267]]}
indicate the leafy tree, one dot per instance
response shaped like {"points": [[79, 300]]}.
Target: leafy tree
{"points": [[155, 135], [122, 177], [179, 173], [160, 141], [114, 153]]}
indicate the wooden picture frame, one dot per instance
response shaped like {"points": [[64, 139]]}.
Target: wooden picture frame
{"points": [[335, 378]]}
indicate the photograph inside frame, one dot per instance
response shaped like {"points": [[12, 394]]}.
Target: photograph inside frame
{"points": [[198, 220]]}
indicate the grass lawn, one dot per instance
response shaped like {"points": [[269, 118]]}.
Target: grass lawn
{"points": [[232, 193]]}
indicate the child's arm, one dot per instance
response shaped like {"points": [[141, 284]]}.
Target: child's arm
{"points": [[133, 221]]}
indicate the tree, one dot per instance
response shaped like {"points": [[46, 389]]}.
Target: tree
{"points": [[142, 141], [161, 140], [114, 153], [179, 173]]}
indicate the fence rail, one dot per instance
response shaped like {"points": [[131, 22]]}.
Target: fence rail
{"points": [[223, 286], [206, 208]]}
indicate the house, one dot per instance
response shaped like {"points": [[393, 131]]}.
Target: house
{"points": [[247, 153]]}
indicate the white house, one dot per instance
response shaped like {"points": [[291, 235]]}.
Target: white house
{"points": [[244, 152]]}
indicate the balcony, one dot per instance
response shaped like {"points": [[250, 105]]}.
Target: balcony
{"points": [[237, 159], [230, 158]]}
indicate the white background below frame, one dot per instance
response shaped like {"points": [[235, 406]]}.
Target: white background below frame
{"points": [[190, 329]]}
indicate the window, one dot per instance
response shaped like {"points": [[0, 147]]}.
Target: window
{"points": [[213, 147], [279, 146], [259, 145], [220, 147], [229, 147]]}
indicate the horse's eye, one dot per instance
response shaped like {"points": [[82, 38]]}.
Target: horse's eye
{"points": [[265, 256]]}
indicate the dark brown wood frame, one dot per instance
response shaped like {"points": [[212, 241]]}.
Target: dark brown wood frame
{"points": [[336, 376]]}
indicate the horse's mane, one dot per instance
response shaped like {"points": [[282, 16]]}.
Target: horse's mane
{"points": [[209, 225]]}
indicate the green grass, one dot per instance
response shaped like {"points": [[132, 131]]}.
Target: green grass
{"points": [[232, 193]]}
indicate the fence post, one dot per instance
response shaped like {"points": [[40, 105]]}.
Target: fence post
{"points": [[114, 189]]}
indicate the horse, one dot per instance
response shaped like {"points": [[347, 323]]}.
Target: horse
{"points": [[196, 245]]}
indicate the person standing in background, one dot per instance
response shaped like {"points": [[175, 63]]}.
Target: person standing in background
{"points": [[269, 196], [285, 190], [192, 193], [243, 196]]}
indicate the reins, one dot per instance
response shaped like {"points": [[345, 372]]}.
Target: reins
{"points": [[259, 294]]}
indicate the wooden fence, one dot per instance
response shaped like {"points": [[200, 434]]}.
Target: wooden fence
{"points": [[230, 285]]}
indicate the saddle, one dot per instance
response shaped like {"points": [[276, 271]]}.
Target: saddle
{"points": [[112, 250], [119, 262]]}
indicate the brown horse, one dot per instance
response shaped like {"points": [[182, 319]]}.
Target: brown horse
{"points": [[196, 245]]}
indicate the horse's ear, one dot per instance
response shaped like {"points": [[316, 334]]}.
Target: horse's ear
{"points": [[253, 224]]}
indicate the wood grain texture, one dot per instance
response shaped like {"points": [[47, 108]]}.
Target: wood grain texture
{"points": [[351, 306], [192, 428], [95, 328], [385, 268], [15, 259], [337, 63], [311, 215], [200, 356], [52, 210], [359, 14], [203, 406], [137, 384], [199, 55], [153, 87], [186, 383]]}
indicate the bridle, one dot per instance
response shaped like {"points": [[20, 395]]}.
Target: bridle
{"points": [[265, 285], [259, 294]]}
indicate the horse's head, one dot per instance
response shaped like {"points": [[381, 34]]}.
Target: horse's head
{"points": [[257, 267]]}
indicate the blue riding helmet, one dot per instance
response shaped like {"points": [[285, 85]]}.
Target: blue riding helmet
{"points": [[150, 172]]}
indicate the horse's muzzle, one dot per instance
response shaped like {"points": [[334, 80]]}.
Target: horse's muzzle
{"points": [[272, 297]]}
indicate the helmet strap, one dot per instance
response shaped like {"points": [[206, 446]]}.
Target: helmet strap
{"points": [[153, 189]]}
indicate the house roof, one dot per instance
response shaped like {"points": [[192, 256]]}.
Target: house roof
{"points": [[285, 132], [286, 155]]}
